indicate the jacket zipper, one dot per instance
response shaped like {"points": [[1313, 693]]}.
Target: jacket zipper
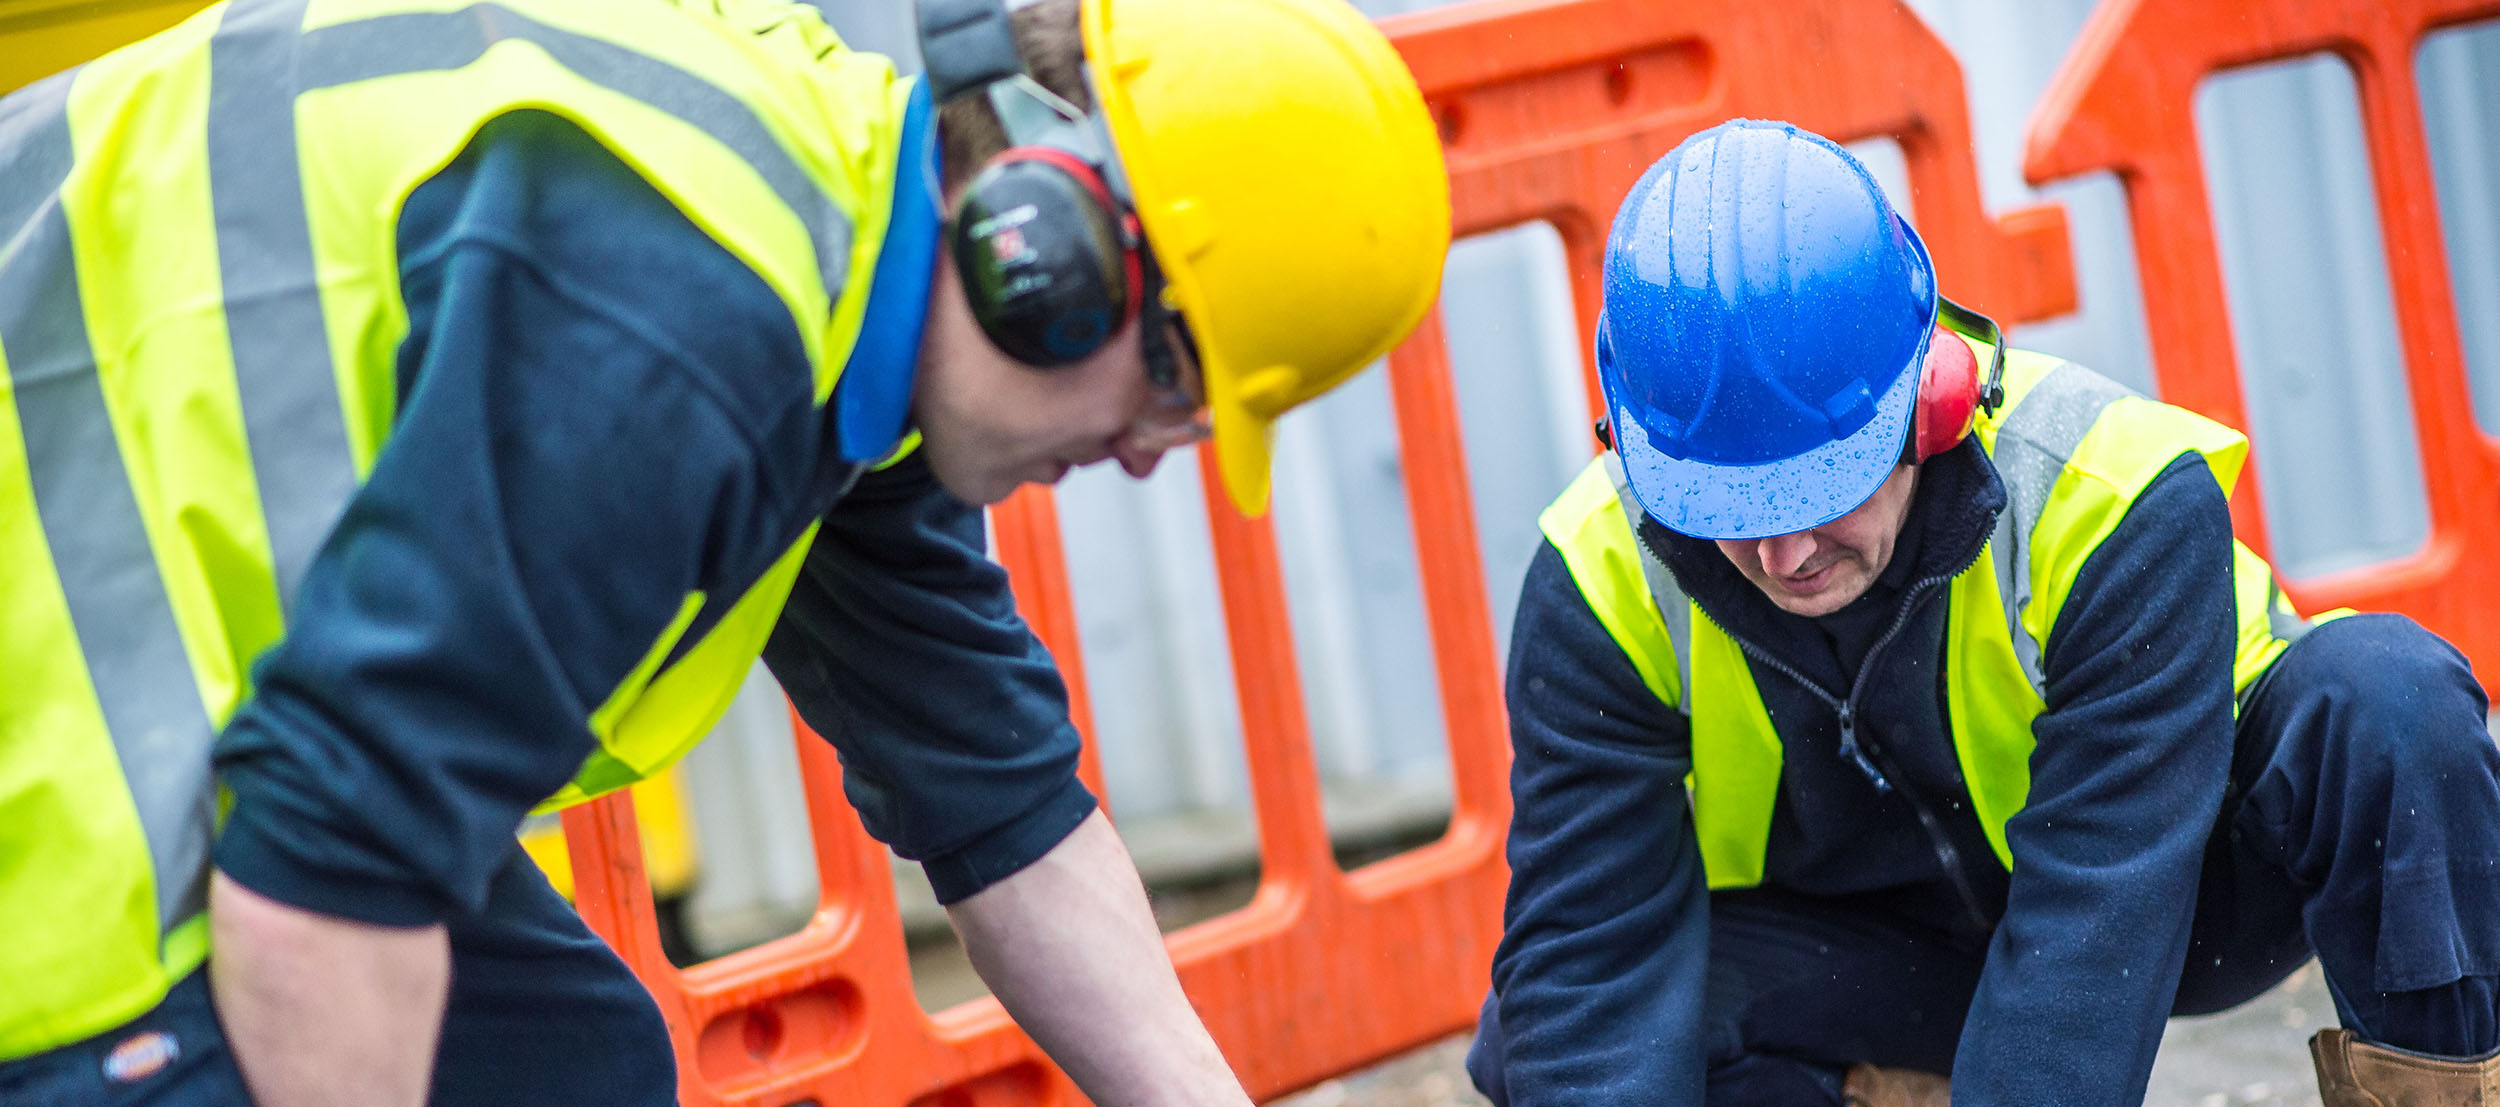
{"points": [[1947, 854]]}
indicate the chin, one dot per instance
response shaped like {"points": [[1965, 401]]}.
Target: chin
{"points": [[1819, 604], [987, 491], [976, 487], [1811, 607]]}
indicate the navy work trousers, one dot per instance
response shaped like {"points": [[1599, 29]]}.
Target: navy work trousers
{"points": [[540, 1012], [2360, 826]]}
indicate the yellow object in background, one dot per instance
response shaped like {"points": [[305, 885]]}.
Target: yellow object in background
{"points": [[39, 38], [667, 839]]}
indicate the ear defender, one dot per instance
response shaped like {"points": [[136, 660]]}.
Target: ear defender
{"points": [[1047, 262], [1948, 396]]}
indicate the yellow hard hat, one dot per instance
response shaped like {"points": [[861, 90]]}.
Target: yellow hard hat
{"points": [[1290, 184]]}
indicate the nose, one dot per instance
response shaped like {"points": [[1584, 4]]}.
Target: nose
{"points": [[1784, 554], [1143, 445], [1137, 458]]}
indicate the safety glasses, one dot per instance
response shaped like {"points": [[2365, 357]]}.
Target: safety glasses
{"points": [[1176, 416]]}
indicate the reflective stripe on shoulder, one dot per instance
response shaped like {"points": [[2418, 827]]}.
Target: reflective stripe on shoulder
{"points": [[118, 605], [284, 377], [415, 42], [1673, 606], [1587, 527], [2036, 438]]}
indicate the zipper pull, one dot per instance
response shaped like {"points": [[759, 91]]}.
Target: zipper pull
{"points": [[1849, 748]]}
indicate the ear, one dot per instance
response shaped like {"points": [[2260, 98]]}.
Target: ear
{"points": [[1948, 395]]}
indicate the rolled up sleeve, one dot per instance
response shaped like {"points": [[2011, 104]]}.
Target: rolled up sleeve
{"points": [[902, 646]]}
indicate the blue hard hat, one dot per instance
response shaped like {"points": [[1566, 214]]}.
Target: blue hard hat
{"points": [[1766, 314]]}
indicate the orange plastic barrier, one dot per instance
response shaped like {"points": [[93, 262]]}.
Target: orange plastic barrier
{"points": [[1550, 110], [2123, 102]]}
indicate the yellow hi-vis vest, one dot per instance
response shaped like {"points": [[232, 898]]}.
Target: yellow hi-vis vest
{"points": [[2074, 450], [199, 312]]}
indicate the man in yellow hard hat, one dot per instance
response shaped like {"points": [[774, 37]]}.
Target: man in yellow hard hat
{"points": [[411, 413]]}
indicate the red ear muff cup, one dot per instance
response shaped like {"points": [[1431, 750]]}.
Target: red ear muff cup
{"points": [[1948, 395], [1041, 253]]}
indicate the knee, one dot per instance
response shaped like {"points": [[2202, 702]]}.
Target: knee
{"points": [[2387, 700], [2376, 658]]}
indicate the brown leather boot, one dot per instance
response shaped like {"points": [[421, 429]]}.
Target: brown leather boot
{"points": [[1868, 1086], [2357, 1073]]}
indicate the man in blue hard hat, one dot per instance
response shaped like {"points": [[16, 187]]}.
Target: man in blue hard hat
{"points": [[1891, 706]]}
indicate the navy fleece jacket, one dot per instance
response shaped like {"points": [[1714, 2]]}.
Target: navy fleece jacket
{"points": [[602, 410], [1598, 980]]}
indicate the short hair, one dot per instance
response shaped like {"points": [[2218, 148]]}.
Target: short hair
{"points": [[1046, 34]]}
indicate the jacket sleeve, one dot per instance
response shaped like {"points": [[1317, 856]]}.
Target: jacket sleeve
{"points": [[902, 646], [2127, 778], [598, 415], [1597, 982]]}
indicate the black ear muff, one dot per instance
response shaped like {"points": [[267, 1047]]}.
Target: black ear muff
{"points": [[1048, 264]]}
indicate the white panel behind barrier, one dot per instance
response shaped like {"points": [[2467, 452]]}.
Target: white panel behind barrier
{"points": [[2459, 72], [758, 871], [2311, 314], [1523, 405], [1152, 627]]}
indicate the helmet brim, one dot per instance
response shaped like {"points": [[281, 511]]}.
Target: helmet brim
{"points": [[1707, 500], [1244, 438]]}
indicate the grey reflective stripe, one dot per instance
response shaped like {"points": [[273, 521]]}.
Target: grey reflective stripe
{"points": [[392, 45], [117, 602], [2283, 624], [1673, 607], [2008, 546], [2033, 444], [292, 420], [2281, 621], [35, 155]]}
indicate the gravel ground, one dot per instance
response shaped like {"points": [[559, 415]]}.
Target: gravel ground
{"points": [[2254, 1056]]}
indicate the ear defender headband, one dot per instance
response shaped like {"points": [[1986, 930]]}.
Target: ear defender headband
{"points": [[1950, 393], [1044, 238]]}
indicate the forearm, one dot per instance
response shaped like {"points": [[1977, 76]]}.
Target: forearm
{"points": [[2127, 776], [323, 1010], [1599, 977], [1069, 947]]}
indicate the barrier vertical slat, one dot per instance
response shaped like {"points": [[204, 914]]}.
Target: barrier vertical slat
{"points": [[1452, 571], [2121, 103], [1026, 531], [2443, 403], [1276, 730], [609, 884], [1584, 258]]}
